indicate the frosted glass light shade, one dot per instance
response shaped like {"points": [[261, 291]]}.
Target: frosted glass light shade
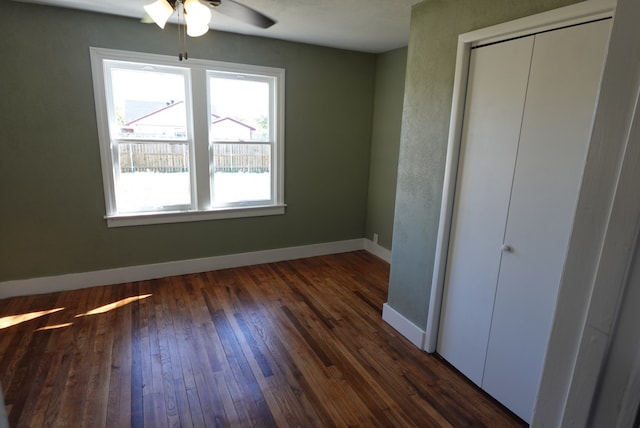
{"points": [[197, 30], [159, 11], [197, 17]]}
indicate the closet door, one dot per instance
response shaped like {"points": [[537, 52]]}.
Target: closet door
{"points": [[493, 113], [564, 79]]}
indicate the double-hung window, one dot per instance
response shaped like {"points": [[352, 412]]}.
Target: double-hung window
{"points": [[188, 141]]}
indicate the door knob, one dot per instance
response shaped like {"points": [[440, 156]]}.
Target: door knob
{"points": [[506, 248]]}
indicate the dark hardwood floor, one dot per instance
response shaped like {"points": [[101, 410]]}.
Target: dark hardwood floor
{"points": [[297, 343]]}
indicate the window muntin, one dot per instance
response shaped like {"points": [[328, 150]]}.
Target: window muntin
{"points": [[180, 144]]}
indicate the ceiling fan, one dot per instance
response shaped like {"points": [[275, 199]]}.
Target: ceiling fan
{"points": [[241, 12], [197, 15]]}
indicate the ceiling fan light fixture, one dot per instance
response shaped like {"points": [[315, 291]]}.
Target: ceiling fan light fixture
{"points": [[159, 11], [194, 16], [197, 31], [197, 17], [195, 7]]}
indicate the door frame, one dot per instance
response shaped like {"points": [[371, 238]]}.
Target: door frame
{"points": [[578, 13]]}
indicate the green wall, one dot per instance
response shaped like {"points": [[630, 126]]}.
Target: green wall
{"points": [[385, 143], [52, 196], [435, 26]]}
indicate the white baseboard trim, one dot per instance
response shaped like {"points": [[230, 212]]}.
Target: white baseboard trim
{"points": [[408, 329], [76, 281], [377, 250]]}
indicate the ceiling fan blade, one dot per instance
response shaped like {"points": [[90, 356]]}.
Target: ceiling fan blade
{"points": [[241, 13]]}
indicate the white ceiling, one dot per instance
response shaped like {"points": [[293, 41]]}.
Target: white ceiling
{"points": [[363, 25]]}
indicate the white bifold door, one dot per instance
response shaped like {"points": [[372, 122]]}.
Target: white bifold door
{"points": [[527, 122]]}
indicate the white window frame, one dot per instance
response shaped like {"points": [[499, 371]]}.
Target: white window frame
{"points": [[198, 115]]}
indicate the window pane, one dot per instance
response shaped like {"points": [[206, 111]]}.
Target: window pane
{"points": [[239, 109], [149, 104], [153, 175], [241, 172]]}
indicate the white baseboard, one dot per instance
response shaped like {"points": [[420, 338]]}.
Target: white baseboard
{"points": [[377, 250], [408, 329], [76, 281]]}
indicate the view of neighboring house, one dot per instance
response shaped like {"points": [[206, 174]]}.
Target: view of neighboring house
{"points": [[157, 120], [227, 128], [168, 121]]}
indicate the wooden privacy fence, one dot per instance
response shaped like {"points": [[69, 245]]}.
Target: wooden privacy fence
{"points": [[241, 157], [172, 157]]}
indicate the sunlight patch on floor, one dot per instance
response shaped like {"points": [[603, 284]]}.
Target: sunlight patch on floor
{"points": [[114, 305], [55, 327], [11, 320]]}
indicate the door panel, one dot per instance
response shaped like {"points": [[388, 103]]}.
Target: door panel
{"points": [[493, 113], [564, 79]]}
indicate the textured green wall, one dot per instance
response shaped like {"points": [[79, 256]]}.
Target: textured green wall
{"points": [[52, 197], [435, 26], [385, 143]]}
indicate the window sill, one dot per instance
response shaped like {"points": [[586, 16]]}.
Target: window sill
{"points": [[123, 220]]}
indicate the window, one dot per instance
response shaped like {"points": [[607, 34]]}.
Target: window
{"points": [[194, 141]]}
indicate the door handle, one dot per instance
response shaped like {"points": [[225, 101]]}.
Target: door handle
{"points": [[506, 248]]}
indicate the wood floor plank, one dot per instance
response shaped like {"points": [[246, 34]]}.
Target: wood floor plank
{"points": [[180, 367], [44, 400], [80, 379], [164, 331], [298, 343], [349, 365], [227, 391], [313, 375], [11, 336], [24, 380], [248, 395], [293, 369], [55, 403], [186, 333], [284, 384], [204, 356]]}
